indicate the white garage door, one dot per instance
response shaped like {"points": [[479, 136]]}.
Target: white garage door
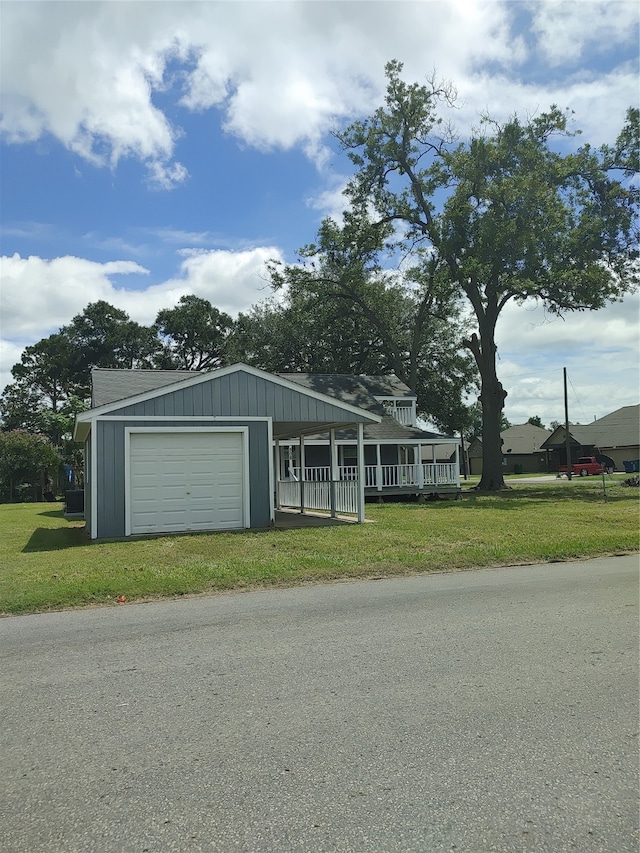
{"points": [[185, 481]]}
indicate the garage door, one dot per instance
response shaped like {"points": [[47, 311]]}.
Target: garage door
{"points": [[185, 481]]}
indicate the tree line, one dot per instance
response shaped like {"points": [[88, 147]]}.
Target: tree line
{"points": [[437, 238]]}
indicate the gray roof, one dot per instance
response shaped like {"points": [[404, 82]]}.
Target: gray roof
{"points": [[523, 438], [357, 390], [388, 430], [361, 391], [518, 439], [109, 385], [617, 429]]}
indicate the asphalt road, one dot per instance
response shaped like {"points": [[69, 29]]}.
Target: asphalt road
{"points": [[482, 711]]}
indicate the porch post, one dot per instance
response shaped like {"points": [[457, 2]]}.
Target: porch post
{"points": [[360, 472], [333, 471], [302, 474], [378, 469], [276, 468], [420, 468], [458, 465]]}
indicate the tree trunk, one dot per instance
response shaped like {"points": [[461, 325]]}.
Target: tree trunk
{"points": [[492, 397]]}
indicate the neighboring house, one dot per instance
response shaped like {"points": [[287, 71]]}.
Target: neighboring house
{"points": [[616, 435], [399, 458], [523, 451], [173, 451]]}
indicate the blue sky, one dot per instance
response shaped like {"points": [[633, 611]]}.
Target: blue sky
{"points": [[150, 150]]}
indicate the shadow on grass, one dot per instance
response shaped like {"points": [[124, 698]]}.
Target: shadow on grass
{"points": [[46, 539], [53, 513], [544, 495]]}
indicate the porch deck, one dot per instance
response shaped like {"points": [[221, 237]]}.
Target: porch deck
{"points": [[317, 491]]}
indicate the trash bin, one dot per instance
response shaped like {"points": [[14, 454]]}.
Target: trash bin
{"points": [[74, 502], [518, 469], [628, 467]]}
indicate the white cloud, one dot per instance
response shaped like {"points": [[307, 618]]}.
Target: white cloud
{"points": [[600, 349], [598, 100], [567, 30], [85, 73], [232, 281], [283, 73], [40, 295]]}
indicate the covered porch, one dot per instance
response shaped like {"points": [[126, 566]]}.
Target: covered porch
{"points": [[335, 487]]}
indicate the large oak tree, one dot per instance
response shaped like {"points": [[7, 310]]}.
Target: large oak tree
{"points": [[512, 214]]}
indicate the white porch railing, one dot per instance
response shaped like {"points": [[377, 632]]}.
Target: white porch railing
{"points": [[403, 414], [382, 477], [317, 495]]}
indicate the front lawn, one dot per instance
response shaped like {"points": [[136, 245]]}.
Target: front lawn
{"points": [[47, 563]]}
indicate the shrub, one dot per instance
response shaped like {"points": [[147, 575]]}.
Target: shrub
{"points": [[27, 461]]}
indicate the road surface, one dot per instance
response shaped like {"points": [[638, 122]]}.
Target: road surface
{"points": [[494, 710]]}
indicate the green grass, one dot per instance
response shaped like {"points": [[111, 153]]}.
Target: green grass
{"points": [[47, 563]]}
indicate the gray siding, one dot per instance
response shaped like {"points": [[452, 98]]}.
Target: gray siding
{"points": [[110, 472], [241, 395], [87, 484]]}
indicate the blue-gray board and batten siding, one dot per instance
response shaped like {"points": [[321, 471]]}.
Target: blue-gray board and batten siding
{"points": [[241, 395], [237, 397], [110, 439]]}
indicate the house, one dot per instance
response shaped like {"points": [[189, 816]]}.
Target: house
{"points": [[173, 451], [399, 457], [523, 450], [616, 435]]}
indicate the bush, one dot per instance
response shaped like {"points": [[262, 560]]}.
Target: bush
{"points": [[27, 461]]}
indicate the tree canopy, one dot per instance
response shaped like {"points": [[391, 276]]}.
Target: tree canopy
{"points": [[505, 216], [194, 334], [362, 317], [25, 459]]}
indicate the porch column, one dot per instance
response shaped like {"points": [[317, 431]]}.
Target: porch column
{"points": [[333, 471], [420, 468], [276, 468], [360, 473], [302, 474], [378, 468], [458, 465]]}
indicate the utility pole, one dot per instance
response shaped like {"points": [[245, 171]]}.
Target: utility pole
{"points": [[567, 437]]}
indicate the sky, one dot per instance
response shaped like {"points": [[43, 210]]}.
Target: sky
{"points": [[154, 149]]}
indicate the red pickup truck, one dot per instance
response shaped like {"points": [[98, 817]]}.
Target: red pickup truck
{"points": [[589, 465]]}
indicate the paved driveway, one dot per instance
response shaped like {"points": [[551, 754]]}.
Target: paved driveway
{"points": [[483, 711]]}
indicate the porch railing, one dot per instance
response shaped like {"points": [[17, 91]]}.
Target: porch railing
{"points": [[403, 414], [317, 495], [385, 476]]}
